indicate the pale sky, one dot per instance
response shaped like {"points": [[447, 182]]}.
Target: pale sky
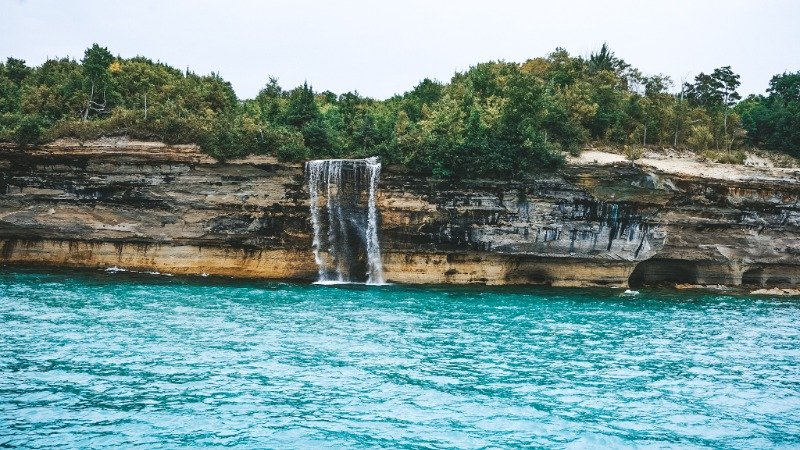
{"points": [[380, 48]]}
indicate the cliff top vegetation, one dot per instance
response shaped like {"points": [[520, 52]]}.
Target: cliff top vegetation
{"points": [[497, 119]]}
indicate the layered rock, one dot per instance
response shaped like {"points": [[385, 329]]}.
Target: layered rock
{"points": [[149, 206]]}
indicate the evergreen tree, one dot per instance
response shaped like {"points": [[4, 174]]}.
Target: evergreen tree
{"points": [[302, 107], [95, 68]]}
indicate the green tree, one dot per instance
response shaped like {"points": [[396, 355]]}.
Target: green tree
{"points": [[426, 92], [604, 59], [316, 137], [271, 101], [729, 82], [717, 93], [54, 90], [16, 70], [774, 121], [12, 73], [302, 107], [29, 131], [95, 62]]}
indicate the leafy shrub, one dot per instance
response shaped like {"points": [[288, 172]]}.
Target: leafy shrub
{"points": [[735, 157], [29, 131]]}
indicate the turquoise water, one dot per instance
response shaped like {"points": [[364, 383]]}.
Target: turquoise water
{"points": [[117, 360]]}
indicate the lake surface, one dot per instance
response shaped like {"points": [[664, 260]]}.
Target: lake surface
{"points": [[121, 360]]}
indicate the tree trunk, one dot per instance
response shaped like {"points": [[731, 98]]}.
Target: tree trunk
{"points": [[644, 137], [725, 129], [88, 104], [678, 118]]}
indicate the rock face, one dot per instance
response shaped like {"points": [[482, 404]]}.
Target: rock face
{"points": [[149, 206]]}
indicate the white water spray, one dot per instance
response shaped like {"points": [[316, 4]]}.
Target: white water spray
{"points": [[345, 232], [373, 247]]}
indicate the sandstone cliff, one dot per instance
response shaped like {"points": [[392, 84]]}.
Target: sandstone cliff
{"points": [[598, 222]]}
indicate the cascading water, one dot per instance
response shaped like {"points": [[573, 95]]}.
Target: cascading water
{"points": [[345, 243]]}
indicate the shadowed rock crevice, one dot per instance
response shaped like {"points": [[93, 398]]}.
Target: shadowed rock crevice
{"points": [[753, 277], [771, 275], [658, 271], [530, 275]]}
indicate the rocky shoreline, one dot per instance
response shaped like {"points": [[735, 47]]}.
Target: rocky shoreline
{"points": [[597, 222]]}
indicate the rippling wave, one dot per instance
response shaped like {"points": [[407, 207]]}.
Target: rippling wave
{"points": [[119, 360]]}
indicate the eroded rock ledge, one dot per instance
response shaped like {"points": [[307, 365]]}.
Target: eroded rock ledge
{"points": [[599, 222]]}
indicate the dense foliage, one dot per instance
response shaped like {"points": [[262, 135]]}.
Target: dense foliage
{"points": [[774, 121], [495, 119]]}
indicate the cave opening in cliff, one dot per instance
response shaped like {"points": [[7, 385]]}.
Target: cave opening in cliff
{"points": [[664, 271], [530, 276], [771, 275], [753, 276]]}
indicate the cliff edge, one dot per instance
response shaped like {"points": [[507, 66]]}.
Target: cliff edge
{"points": [[598, 222]]}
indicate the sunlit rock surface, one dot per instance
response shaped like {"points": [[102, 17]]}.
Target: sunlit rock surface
{"points": [[172, 209]]}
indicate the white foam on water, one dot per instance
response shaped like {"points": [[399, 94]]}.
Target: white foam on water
{"points": [[341, 283], [115, 269]]}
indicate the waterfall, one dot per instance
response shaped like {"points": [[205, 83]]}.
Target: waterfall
{"points": [[345, 242]]}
